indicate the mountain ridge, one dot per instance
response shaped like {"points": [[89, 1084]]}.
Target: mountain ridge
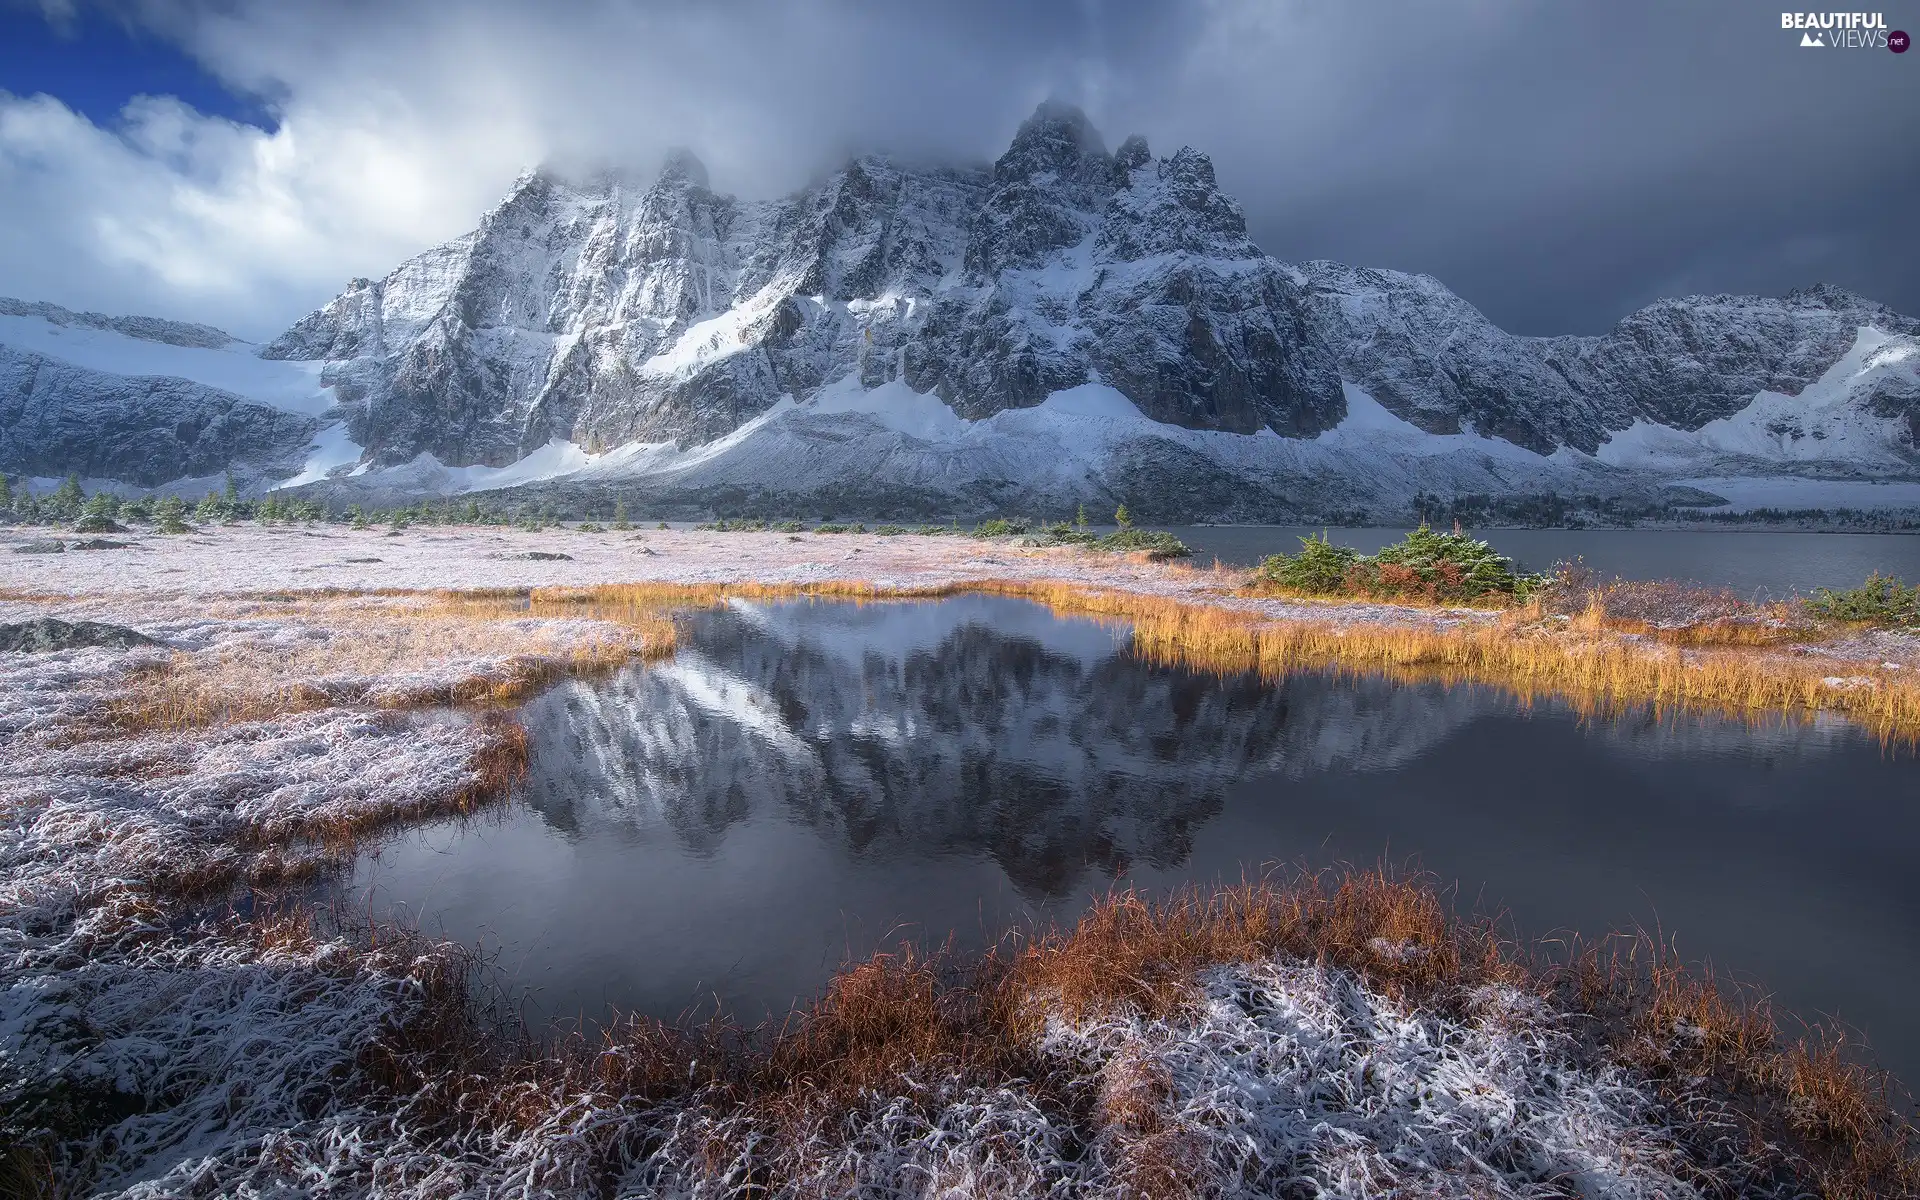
{"points": [[659, 337]]}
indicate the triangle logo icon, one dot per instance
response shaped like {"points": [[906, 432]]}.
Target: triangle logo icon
{"points": [[1812, 39]]}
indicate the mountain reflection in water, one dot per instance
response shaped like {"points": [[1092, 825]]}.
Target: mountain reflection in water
{"points": [[993, 730], [807, 782]]}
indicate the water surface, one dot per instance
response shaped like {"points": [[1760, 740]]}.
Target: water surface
{"points": [[806, 783], [1758, 562]]}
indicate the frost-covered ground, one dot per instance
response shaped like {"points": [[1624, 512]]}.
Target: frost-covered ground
{"points": [[239, 559], [148, 1048], [242, 748]]}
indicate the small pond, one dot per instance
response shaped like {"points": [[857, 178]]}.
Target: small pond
{"points": [[805, 783]]}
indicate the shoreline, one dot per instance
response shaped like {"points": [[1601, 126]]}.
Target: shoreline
{"points": [[1206, 617], [272, 728]]}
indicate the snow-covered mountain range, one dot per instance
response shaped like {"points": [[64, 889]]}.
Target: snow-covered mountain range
{"points": [[1066, 325]]}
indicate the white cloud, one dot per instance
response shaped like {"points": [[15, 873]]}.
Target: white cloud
{"points": [[177, 213], [1451, 138], [399, 125]]}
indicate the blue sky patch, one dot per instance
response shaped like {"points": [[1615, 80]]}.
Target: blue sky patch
{"points": [[98, 65]]}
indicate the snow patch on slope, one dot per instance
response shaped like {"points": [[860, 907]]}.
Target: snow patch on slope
{"points": [[428, 474], [705, 342], [1064, 445], [1822, 424], [1370, 426], [333, 450], [1745, 493], [894, 405]]}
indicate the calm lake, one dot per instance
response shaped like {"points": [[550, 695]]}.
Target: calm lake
{"points": [[1757, 562], [808, 782]]}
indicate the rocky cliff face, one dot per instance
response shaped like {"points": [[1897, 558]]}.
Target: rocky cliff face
{"points": [[1066, 325], [602, 312], [606, 312], [1430, 357]]}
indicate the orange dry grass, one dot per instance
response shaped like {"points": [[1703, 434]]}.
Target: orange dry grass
{"points": [[364, 641], [1132, 953], [1724, 668], [1810, 1096], [1595, 673], [1793, 1110]]}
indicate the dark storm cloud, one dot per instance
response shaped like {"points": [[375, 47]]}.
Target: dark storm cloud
{"points": [[1556, 163]]}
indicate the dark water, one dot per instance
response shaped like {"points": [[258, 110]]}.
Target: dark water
{"points": [[805, 783], [1761, 562]]}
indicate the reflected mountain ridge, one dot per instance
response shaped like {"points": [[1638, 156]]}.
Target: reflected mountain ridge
{"points": [[980, 726]]}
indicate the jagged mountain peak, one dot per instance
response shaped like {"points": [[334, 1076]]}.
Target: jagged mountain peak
{"points": [[606, 314], [682, 164], [1132, 154], [1058, 139]]}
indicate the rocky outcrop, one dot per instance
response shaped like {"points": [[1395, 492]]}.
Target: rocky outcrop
{"points": [[50, 633], [148, 329]]}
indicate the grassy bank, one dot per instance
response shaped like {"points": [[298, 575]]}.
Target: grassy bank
{"points": [[1623, 645], [1339, 1035]]}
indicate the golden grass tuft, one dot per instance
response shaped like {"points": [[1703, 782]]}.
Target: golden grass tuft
{"points": [[367, 649], [1745, 1101], [1811, 1101], [1136, 954], [1599, 664], [1593, 670]]}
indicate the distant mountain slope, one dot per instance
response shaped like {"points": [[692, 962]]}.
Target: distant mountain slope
{"points": [[150, 329], [1067, 324], [147, 402]]}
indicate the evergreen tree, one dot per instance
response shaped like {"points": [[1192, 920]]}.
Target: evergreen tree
{"points": [[232, 493], [620, 515], [1122, 517], [6, 494], [64, 504], [1080, 518], [357, 516], [170, 515]]}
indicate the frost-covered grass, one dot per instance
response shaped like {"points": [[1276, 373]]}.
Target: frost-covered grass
{"points": [[1331, 1036], [248, 748], [1334, 1037]]}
